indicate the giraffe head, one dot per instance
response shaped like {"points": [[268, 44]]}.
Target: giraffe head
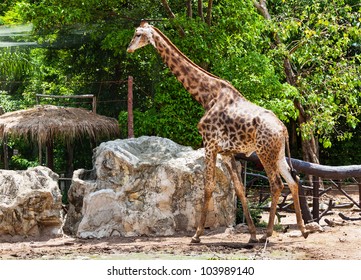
{"points": [[143, 36]]}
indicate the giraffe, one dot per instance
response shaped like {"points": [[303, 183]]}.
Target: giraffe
{"points": [[231, 124]]}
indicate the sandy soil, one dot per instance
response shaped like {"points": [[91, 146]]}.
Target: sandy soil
{"points": [[341, 241]]}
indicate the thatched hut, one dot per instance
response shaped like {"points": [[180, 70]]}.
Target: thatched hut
{"points": [[43, 124]]}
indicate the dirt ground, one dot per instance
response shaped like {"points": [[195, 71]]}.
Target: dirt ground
{"points": [[337, 242]]}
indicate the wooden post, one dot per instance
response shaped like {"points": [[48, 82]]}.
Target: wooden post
{"points": [[94, 104], [130, 108], [50, 154], [358, 182], [316, 199], [69, 160], [40, 153], [6, 152], [306, 214], [359, 193]]}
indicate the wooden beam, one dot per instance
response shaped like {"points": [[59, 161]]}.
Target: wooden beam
{"points": [[81, 96], [65, 96]]}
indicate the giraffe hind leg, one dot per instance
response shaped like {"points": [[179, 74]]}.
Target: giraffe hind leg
{"points": [[276, 186], [288, 175]]}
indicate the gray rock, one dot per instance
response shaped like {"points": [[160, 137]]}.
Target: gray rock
{"points": [[145, 186], [30, 202]]}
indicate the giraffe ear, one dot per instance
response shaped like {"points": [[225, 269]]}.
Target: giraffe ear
{"points": [[143, 23]]}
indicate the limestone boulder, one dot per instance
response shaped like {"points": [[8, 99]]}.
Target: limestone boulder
{"points": [[145, 186], [30, 202]]}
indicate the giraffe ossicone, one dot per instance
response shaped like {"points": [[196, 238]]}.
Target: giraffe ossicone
{"points": [[231, 124]]}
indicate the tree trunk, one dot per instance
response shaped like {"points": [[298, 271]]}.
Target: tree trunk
{"points": [[189, 8], [200, 9], [209, 12], [262, 8], [168, 9]]}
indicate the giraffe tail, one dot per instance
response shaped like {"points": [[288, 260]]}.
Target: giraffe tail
{"points": [[293, 171]]}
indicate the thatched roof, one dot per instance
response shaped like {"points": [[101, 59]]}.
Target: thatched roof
{"points": [[43, 123]]}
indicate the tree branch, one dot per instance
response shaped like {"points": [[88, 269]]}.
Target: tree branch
{"points": [[172, 16], [168, 9], [262, 8]]}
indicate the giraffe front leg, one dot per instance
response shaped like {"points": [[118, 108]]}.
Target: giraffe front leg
{"points": [[200, 228], [208, 190]]}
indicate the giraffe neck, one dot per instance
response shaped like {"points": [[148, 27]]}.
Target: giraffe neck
{"points": [[202, 85]]}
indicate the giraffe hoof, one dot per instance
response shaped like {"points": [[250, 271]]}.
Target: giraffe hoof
{"points": [[195, 240], [263, 239], [305, 233], [252, 240]]}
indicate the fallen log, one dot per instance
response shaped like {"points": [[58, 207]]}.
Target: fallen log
{"points": [[318, 170]]}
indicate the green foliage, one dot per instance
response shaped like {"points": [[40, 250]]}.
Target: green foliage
{"points": [[257, 80], [254, 210], [8, 102], [345, 152], [14, 64], [167, 118], [323, 40], [25, 157], [10, 13], [20, 163]]}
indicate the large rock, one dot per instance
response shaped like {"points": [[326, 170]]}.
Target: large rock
{"points": [[30, 202], [145, 186]]}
